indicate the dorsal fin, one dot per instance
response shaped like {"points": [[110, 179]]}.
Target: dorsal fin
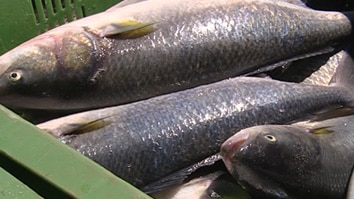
{"points": [[78, 126]]}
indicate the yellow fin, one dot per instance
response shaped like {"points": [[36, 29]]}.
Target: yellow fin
{"points": [[321, 130], [127, 29], [86, 127]]}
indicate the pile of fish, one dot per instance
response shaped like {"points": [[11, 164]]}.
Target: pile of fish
{"points": [[153, 90]]}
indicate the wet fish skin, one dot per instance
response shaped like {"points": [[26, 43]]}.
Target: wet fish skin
{"points": [[195, 42], [296, 163], [144, 141]]}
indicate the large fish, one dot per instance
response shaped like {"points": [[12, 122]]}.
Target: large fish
{"points": [[134, 51], [147, 140], [311, 160]]}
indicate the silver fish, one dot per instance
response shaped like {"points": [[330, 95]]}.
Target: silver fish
{"points": [[134, 51], [305, 160]]}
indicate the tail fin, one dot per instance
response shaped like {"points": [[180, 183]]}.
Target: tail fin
{"points": [[344, 75], [344, 78]]}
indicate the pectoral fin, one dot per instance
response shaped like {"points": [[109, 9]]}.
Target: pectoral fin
{"points": [[88, 127], [128, 29], [321, 130], [74, 127]]}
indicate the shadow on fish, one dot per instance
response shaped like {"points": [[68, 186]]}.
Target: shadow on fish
{"points": [[138, 50]]}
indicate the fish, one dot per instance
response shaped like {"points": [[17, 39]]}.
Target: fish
{"points": [[303, 160], [140, 49], [145, 141]]}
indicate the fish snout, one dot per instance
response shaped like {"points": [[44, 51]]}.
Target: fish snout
{"points": [[231, 145]]}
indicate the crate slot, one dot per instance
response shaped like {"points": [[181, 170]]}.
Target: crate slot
{"points": [[35, 11]]}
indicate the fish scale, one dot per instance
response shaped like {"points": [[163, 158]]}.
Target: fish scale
{"points": [[147, 140], [194, 43]]}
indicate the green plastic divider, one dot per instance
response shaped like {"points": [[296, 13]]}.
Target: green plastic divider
{"points": [[24, 19], [10, 187], [51, 168]]}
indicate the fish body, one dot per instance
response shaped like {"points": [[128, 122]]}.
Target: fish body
{"points": [[306, 160], [136, 51], [147, 140]]}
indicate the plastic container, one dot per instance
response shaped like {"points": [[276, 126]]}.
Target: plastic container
{"points": [[34, 164], [24, 19]]}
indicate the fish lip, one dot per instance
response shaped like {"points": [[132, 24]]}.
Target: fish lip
{"points": [[231, 145], [235, 142]]}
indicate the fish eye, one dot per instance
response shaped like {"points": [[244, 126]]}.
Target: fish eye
{"points": [[270, 138], [15, 76]]}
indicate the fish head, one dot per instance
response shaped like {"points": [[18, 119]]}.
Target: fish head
{"points": [[267, 159], [49, 66]]}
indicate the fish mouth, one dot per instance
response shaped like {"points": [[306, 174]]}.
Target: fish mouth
{"points": [[231, 145]]}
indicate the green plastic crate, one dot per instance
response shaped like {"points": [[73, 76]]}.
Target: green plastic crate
{"points": [[24, 19], [34, 164]]}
